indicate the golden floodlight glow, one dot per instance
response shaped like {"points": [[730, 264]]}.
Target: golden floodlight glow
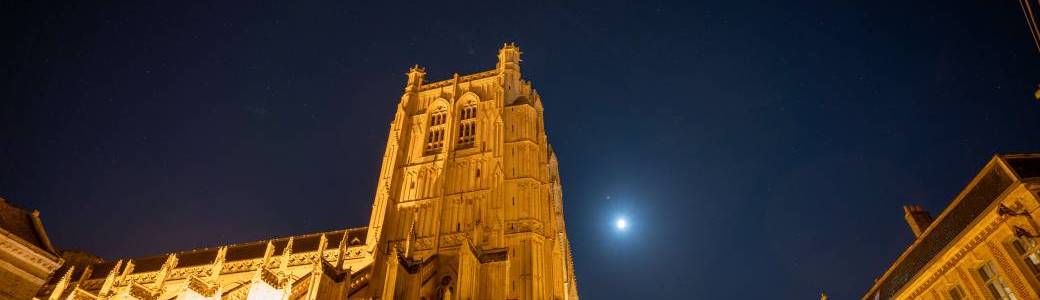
{"points": [[469, 194]]}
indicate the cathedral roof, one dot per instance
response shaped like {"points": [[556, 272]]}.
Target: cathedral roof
{"points": [[236, 252], [977, 198]]}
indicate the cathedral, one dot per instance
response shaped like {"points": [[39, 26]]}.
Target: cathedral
{"points": [[468, 205]]}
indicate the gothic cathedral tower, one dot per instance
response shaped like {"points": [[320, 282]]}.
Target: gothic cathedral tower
{"points": [[469, 203]]}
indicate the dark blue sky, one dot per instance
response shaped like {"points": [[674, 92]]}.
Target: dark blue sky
{"points": [[760, 150]]}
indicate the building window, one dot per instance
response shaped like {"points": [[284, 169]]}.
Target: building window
{"points": [[435, 131], [467, 126], [998, 289], [956, 293], [1027, 255]]}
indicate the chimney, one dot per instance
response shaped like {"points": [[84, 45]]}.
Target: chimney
{"points": [[917, 218]]}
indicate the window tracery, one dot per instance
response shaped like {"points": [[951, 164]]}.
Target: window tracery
{"points": [[467, 126], [435, 132]]}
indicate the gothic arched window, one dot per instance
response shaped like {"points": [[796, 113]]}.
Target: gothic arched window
{"points": [[467, 126], [435, 129]]}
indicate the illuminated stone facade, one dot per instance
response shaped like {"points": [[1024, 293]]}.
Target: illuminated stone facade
{"points": [[468, 206], [325, 265], [469, 201], [27, 257], [984, 245]]}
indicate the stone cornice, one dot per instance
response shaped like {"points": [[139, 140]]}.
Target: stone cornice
{"points": [[46, 262], [462, 79]]}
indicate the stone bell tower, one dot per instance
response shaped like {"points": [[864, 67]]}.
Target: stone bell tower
{"points": [[469, 203]]}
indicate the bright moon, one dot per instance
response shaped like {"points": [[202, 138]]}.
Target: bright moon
{"points": [[621, 224]]}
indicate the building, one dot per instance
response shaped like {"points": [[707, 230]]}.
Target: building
{"points": [[468, 206], [27, 257], [984, 245]]}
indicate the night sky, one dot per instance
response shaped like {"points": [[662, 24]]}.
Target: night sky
{"points": [[758, 150]]}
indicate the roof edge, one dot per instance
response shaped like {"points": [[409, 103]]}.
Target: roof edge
{"points": [[996, 161]]}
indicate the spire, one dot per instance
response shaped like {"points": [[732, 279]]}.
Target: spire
{"points": [[323, 243], [392, 265], [268, 252], [319, 270], [59, 288], [411, 237], [126, 271], [110, 279], [286, 255], [85, 275], [164, 272], [342, 250], [218, 264]]}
